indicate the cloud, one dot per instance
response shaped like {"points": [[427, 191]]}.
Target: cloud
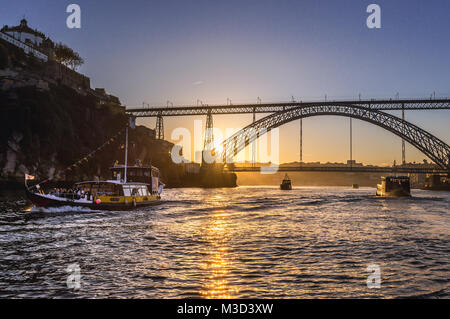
{"points": [[198, 83]]}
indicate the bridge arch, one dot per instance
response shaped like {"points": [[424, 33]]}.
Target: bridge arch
{"points": [[437, 150]]}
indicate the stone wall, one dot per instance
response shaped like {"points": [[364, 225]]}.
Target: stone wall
{"points": [[66, 76]]}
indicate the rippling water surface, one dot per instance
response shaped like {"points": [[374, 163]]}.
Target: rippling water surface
{"points": [[228, 243]]}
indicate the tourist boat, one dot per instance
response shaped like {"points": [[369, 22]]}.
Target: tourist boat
{"points": [[130, 187], [101, 195], [394, 186], [286, 183]]}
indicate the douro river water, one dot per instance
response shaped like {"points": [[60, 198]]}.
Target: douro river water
{"points": [[247, 242]]}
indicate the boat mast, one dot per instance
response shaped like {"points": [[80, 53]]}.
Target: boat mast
{"points": [[126, 154]]}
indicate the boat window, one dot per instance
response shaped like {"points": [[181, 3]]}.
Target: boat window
{"points": [[135, 190], [143, 190], [126, 191]]}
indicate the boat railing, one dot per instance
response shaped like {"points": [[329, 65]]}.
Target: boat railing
{"points": [[65, 195]]}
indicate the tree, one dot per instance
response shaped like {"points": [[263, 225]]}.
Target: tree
{"points": [[75, 61], [62, 53], [66, 56]]}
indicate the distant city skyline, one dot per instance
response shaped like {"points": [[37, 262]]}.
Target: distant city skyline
{"points": [[183, 51]]}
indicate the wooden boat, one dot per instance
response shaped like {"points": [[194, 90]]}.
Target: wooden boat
{"points": [[394, 186], [286, 183], [130, 187], [98, 195]]}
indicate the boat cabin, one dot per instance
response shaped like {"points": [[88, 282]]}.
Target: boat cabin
{"points": [[286, 183], [394, 186], [395, 182], [140, 174]]}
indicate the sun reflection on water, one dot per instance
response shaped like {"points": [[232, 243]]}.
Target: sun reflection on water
{"points": [[217, 262]]}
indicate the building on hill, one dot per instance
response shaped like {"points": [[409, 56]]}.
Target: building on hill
{"points": [[25, 34], [36, 43]]}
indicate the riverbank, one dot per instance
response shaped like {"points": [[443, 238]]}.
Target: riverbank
{"points": [[223, 180]]}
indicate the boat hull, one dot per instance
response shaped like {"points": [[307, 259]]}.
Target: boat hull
{"points": [[286, 187], [393, 193]]}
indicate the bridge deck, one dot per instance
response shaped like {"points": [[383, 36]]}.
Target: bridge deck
{"points": [[422, 104]]}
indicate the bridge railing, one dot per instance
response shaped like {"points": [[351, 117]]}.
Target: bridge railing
{"points": [[381, 104]]}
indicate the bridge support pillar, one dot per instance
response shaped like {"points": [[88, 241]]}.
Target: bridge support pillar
{"points": [[351, 144], [448, 165], [159, 130], [301, 141], [208, 141]]}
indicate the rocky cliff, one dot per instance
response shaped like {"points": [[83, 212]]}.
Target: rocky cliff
{"points": [[46, 126]]}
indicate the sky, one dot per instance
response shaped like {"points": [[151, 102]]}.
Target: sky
{"points": [[182, 51]]}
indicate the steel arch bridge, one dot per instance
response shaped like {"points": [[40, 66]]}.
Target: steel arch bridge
{"points": [[437, 150]]}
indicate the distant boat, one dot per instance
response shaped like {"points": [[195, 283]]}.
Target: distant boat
{"points": [[437, 183], [286, 183], [355, 186], [394, 186]]}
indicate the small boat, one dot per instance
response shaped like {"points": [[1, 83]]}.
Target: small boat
{"points": [[355, 186], [437, 183], [394, 186], [286, 183]]}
